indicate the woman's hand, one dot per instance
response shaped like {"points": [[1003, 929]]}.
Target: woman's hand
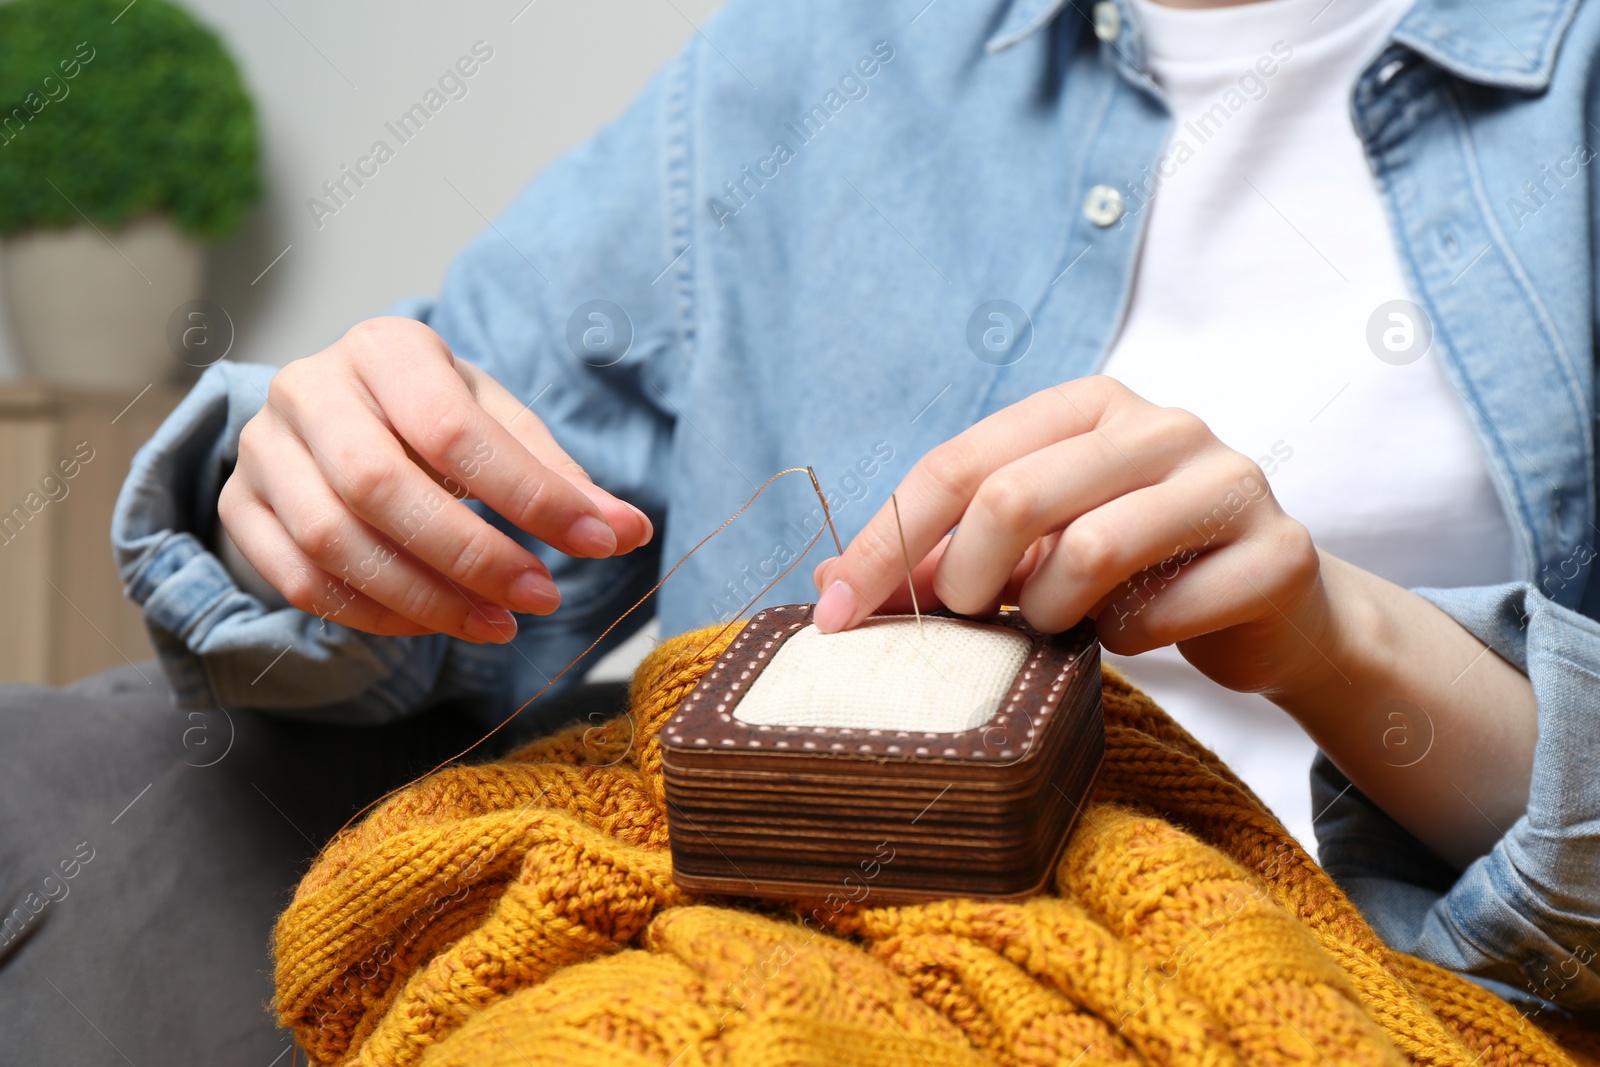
{"points": [[347, 496], [1086, 499]]}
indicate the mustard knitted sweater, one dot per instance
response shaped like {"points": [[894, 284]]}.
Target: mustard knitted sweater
{"points": [[522, 912]]}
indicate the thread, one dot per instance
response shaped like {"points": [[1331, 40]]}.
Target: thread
{"points": [[906, 556]]}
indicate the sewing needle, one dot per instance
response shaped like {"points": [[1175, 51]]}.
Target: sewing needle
{"points": [[905, 555], [827, 512]]}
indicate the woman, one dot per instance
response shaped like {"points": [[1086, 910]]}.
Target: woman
{"points": [[1342, 240]]}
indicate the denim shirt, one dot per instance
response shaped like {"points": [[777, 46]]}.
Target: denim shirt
{"points": [[787, 251]]}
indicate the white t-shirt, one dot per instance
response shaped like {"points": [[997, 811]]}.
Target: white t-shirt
{"points": [[1266, 255]]}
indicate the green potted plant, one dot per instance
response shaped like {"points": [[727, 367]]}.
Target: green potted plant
{"points": [[127, 145]]}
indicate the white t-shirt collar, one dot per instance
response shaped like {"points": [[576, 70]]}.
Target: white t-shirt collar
{"points": [[1243, 31]]}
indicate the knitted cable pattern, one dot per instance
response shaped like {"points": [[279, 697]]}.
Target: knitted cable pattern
{"points": [[523, 912]]}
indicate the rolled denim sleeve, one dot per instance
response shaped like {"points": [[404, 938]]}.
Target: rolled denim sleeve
{"points": [[603, 230], [219, 645], [1527, 914]]}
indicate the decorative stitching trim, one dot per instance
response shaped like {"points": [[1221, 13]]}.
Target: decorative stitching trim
{"points": [[705, 720]]}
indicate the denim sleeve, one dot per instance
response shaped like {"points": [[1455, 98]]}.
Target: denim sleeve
{"points": [[601, 232], [219, 645], [1527, 914]]}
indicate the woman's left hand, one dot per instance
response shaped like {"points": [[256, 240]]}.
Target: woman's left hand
{"points": [[1087, 500]]}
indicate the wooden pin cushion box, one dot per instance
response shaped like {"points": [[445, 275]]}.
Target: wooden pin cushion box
{"points": [[949, 757]]}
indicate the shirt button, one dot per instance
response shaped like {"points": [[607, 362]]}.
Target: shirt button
{"points": [[1107, 21], [1387, 72], [1103, 206]]}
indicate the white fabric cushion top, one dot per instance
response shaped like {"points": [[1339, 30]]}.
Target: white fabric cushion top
{"points": [[883, 675]]}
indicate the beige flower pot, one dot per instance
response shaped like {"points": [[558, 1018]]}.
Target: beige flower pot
{"points": [[91, 309]]}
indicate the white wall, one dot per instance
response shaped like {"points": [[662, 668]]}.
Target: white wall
{"points": [[326, 77]]}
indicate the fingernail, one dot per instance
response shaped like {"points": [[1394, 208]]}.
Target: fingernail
{"points": [[592, 537], [649, 527], [836, 609], [490, 624], [534, 593], [819, 570]]}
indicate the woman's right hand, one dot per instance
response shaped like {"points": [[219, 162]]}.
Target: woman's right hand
{"points": [[347, 496]]}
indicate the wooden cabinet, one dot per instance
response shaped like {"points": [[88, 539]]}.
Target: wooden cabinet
{"points": [[63, 457]]}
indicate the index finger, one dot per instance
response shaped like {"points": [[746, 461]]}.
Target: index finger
{"points": [[938, 489], [631, 525], [445, 424]]}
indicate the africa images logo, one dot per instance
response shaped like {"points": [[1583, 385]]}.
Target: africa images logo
{"points": [[852, 86]]}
